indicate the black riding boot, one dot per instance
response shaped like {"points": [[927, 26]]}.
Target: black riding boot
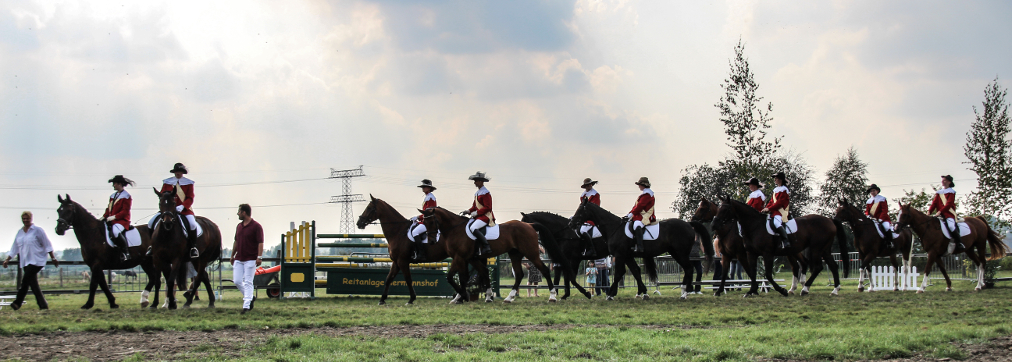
{"points": [[638, 239], [191, 238], [588, 245], [483, 247], [419, 254], [121, 247], [887, 239], [784, 242], [957, 239]]}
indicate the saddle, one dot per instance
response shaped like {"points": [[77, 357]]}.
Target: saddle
{"points": [[491, 232], [651, 234], [411, 229], [791, 226], [964, 228], [133, 237], [881, 231]]}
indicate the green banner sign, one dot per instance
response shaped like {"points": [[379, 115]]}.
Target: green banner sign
{"points": [[359, 281]]}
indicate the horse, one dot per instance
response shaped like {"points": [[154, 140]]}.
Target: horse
{"points": [[676, 238], [929, 229], [571, 245], [395, 230], [171, 254], [100, 256], [729, 241], [517, 238], [815, 233], [869, 244]]}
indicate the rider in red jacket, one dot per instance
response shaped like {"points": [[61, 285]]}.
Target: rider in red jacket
{"points": [[944, 206], [877, 208], [778, 207], [642, 213], [418, 233], [756, 198], [481, 212], [587, 229], [117, 215]]}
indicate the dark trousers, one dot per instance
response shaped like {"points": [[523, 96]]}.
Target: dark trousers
{"points": [[602, 281], [30, 279], [718, 269]]}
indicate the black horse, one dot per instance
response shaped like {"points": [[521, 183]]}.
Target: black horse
{"points": [[570, 243], [676, 238], [815, 233]]}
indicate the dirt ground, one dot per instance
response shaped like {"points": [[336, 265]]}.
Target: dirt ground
{"points": [[117, 345]]}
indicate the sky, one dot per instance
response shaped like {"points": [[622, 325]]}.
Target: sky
{"points": [[261, 100]]}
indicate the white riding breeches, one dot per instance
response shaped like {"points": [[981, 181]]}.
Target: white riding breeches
{"points": [[117, 229], [189, 220], [886, 226], [586, 229], [242, 276], [951, 223], [419, 230], [638, 224], [778, 221], [478, 224]]}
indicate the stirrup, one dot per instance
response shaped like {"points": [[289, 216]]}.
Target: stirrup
{"points": [[194, 253], [148, 252]]}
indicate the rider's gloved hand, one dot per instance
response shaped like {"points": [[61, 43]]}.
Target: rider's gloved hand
{"points": [[110, 218], [179, 208], [465, 213]]}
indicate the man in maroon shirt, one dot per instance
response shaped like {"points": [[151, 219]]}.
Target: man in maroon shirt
{"points": [[247, 251]]}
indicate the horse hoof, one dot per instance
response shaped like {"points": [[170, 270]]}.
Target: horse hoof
{"points": [[645, 297], [457, 302], [408, 304], [747, 295], [382, 302], [790, 292], [588, 295], [860, 289], [211, 305], [186, 306], [87, 306], [977, 289], [804, 293], [145, 304], [920, 292], [949, 289], [113, 306], [610, 298]]}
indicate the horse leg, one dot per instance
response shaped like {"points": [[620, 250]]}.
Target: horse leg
{"points": [[390, 279], [927, 271], [516, 259], [94, 285], [619, 275], [752, 269], [105, 289], [768, 262], [153, 283], [816, 268], [210, 290], [833, 268], [406, 270], [684, 262], [170, 288], [483, 279], [948, 282], [552, 291], [896, 272], [455, 267], [641, 289], [795, 274]]}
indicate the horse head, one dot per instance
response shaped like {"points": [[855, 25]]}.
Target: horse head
{"points": [[65, 214], [369, 214], [167, 208], [583, 213], [705, 211], [846, 212], [725, 213], [430, 218], [906, 216]]}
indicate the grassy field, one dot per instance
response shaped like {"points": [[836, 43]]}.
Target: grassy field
{"points": [[703, 328]]}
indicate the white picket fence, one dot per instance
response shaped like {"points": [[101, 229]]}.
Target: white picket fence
{"points": [[884, 278]]}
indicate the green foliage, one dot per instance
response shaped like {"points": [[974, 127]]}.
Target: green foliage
{"points": [[990, 154], [746, 122], [847, 179]]}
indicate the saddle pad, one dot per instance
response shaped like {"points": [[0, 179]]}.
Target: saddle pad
{"points": [[878, 227], [594, 231], [964, 229], [186, 232], [651, 234], [491, 232], [792, 226], [133, 237], [411, 230]]}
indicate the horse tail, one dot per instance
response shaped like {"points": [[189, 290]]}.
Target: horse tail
{"points": [[704, 235], [650, 265], [998, 248], [841, 240], [552, 249]]}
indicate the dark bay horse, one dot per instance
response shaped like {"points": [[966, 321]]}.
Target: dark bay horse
{"points": [[516, 238], [815, 233], [869, 244], [929, 229], [570, 244], [100, 256], [676, 238], [395, 230], [170, 253]]}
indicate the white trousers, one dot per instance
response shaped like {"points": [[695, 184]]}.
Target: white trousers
{"points": [[419, 230], [586, 229], [887, 226], [638, 224], [778, 221], [478, 224], [189, 220], [951, 222], [117, 229], [242, 276]]}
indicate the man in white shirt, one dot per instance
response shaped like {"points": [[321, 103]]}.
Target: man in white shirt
{"points": [[30, 245]]}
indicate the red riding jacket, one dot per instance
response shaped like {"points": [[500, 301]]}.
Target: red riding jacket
{"points": [[945, 203], [483, 206], [756, 200], [183, 188], [427, 203], [780, 201], [119, 206], [593, 197], [878, 208], [644, 207]]}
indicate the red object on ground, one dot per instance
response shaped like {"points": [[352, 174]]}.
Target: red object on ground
{"points": [[261, 270]]}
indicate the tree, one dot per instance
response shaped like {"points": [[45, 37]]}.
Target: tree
{"points": [[746, 122], [988, 149], [847, 179]]}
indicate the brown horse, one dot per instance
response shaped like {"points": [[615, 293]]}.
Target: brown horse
{"points": [[395, 230], [732, 246], [100, 256], [517, 238], [929, 229], [171, 254], [869, 243], [815, 233]]}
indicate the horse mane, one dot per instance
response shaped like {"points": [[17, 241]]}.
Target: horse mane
{"points": [[79, 210], [396, 213], [549, 213], [751, 212]]}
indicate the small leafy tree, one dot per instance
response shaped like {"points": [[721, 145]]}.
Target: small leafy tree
{"points": [[847, 179], [990, 157]]}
